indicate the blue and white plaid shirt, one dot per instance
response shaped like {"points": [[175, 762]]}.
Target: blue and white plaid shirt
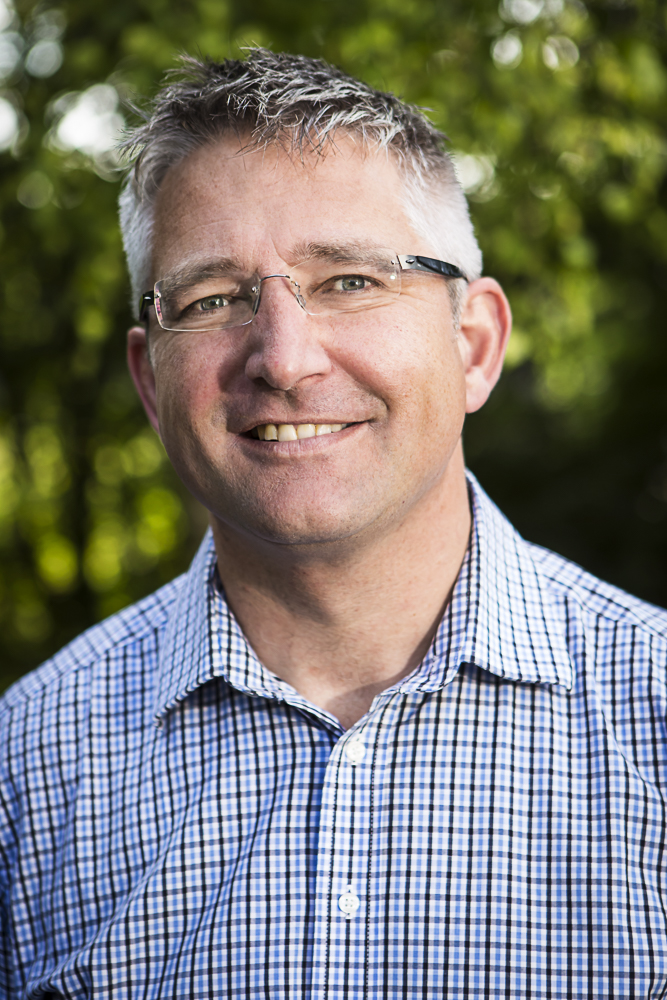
{"points": [[176, 822]]}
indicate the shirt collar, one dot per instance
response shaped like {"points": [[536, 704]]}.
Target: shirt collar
{"points": [[504, 616], [185, 661]]}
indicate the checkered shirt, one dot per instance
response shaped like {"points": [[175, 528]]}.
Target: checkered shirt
{"points": [[176, 822]]}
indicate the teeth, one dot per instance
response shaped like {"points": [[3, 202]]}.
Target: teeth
{"points": [[286, 432], [294, 432]]}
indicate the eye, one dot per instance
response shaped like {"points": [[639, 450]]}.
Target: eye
{"points": [[213, 302], [351, 283]]}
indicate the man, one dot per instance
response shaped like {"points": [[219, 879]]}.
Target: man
{"points": [[372, 744]]}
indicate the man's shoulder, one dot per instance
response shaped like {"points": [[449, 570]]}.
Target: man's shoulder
{"points": [[596, 597], [113, 638], [565, 580]]}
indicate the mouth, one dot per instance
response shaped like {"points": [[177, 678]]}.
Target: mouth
{"points": [[293, 432]]}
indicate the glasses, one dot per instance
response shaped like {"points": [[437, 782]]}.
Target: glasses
{"points": [[215, 297]]}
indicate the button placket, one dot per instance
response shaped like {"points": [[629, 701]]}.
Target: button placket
{"points": [[348, 822], [344, 850]]}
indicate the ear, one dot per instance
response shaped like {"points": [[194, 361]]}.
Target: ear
{"points": [[486, 323], [141, 370]]}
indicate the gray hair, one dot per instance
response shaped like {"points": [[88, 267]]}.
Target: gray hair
{"points": [[299, 104]]}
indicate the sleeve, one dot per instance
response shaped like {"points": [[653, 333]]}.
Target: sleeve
{"points": [[9, 987]]}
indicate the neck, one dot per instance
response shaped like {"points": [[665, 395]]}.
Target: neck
{"points": [[341, 624]]}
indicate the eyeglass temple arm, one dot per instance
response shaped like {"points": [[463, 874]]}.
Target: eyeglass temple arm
{"points": [[146, 301], [409, 262]]}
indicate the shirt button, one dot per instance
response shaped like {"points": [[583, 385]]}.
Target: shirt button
{"points": [[349, 903], [355, 751]]}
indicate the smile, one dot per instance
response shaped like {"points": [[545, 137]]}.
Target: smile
{"points": [[293, 432]]}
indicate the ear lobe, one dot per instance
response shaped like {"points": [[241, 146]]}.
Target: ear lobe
{"points": [[141, 370], [486, 323]]}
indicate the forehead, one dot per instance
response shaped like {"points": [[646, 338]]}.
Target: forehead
{"points": [[267, 202]]}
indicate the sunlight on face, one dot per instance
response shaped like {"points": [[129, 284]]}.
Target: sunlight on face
{"points": [[363, 410]]}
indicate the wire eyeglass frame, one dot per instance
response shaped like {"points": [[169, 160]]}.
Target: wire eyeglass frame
{"points": [[406, 262]]}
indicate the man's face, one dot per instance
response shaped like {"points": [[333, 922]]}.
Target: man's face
{"points": [[394, 375]]}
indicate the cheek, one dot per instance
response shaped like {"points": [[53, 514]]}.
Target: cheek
{"points": [[417, 371], [444, 381], [187, 387]]}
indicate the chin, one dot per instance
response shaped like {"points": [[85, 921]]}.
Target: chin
{"points": [[316, 526], [303, 531], [294, 512]]}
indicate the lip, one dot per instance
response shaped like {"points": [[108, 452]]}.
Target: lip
{"points": [[303, 446]]}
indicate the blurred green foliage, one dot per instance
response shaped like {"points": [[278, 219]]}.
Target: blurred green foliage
{"points": [[556, 112]]}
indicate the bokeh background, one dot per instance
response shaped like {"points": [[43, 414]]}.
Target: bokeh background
{"points": [[555, 112]]}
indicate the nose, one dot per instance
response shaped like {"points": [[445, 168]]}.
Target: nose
{"points": [[285, 345]]}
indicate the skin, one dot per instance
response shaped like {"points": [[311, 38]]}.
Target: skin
{"points": [[338, 553]]}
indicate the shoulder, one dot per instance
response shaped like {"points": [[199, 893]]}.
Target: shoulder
{"points": [[618, 648], [126, 632], [597, 598], [564, 580]]}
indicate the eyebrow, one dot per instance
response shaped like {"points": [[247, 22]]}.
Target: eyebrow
{"points": [[340, 252], [200, 270]]}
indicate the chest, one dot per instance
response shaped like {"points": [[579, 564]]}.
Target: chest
{"points": [[489, 840]]}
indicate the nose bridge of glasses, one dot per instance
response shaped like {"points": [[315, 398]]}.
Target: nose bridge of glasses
{"points": [[295, 288]]}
